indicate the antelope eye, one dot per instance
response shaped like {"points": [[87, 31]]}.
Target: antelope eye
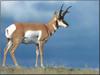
{"points": [[60, 18]]}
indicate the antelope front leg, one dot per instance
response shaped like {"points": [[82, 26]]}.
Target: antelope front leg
{"points": [[41, 43], [37, 54]]}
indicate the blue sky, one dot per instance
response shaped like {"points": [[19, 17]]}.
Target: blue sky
{"points": [[74, 46]]}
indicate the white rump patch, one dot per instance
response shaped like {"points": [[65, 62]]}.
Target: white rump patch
{"points": [[9, 30]]}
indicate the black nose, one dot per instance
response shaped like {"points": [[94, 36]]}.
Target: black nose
{"points": [[66, 23]]}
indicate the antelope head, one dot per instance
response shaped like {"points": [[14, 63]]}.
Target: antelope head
{"points": [[59, 17]]}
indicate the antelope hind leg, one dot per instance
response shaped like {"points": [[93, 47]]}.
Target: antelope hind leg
{"points": [[8, 46]]}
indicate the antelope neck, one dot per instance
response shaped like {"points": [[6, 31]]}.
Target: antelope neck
{"points": [[51, 28]]}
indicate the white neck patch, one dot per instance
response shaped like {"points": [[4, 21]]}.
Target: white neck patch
{"points": [[55, 28]]}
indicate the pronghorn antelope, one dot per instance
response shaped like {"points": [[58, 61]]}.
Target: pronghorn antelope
{"points": [[33, 33]]}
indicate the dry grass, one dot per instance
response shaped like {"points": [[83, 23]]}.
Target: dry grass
{"points": [[47, 70]]}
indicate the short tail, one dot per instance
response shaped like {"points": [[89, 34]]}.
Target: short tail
{"points": [[7, 33]]}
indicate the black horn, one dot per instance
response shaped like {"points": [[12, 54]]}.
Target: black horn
{"points": [[60, 12], [66, 11]]}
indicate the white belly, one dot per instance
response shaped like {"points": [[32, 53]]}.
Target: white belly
{"points": [[32, 37]]}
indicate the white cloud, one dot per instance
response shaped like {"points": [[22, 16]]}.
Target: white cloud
{"points": [[23, 10]]}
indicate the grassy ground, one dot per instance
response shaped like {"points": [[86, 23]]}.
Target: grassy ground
{"points": [[47, 70]]}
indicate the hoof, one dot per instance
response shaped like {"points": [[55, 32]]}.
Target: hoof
{"points": [[3, 65], [42, 66], [36, 65], [17, 66]]}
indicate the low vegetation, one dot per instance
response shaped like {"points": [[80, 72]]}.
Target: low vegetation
{"points": [[47, 70]]}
